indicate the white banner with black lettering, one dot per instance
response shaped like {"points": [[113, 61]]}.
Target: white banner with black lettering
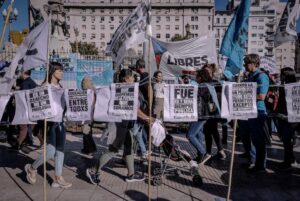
{"points": [[184, 57], [180, 103], [21, 114], [3, 102], [79, 104], [269, 64], [130, 33], [292, 97], [124, 101], [40, 103], [239, 100], [103, 95]]}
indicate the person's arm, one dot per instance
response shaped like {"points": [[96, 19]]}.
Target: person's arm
{"points": [[142, 115]]}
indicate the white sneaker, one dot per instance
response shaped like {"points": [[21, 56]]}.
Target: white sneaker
{"points": [[60, 183], [30, 174], [193, 163]]}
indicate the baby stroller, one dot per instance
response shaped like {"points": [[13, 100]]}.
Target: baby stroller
{"points": [[174, 153]]}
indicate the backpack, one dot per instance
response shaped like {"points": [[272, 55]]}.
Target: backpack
{"points": [[272, 96]]}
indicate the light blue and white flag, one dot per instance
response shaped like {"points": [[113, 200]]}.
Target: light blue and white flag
{"points": [[233, 45]]}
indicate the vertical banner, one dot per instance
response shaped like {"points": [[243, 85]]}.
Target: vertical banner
{"points": [[180, 103], [40, 103], [240, 99], [124, 101], [21, 114], [292, 97], [103, 95], [6, 85], [79, 104], [3, 102]]}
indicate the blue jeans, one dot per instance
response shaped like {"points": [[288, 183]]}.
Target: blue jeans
{"points": [[140, 135], [259, 131], [195, 135], [56, 138]]}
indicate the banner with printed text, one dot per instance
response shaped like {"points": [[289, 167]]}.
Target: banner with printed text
{"points": [[21, 114], [124, 101], [184, 57], [292, 97], [3, 102], [40, 103], [180, 103], [79, 104]]}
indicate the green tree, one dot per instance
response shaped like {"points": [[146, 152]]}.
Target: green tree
{"points": [[85, 48]]}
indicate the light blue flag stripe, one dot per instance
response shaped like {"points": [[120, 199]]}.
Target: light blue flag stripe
{"points": [[233, 45]]}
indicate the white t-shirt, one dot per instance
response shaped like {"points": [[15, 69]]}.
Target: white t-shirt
{"points": [[159, 90]]}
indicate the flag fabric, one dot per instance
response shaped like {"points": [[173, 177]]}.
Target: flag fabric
{"points": [[286, 30], [1, 3], [131, 32], [32, 52], [233, 45], [184, 57]]}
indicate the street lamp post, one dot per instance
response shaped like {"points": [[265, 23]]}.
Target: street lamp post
{"points": [[76, 31], [11, 16]]}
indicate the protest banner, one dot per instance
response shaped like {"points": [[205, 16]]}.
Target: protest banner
{"points": [[124, 101], [21, 114], [180, 103], [292, 98], [6, 85], [103, 95], [3, 102], [184, 57], [58, 103], [239, 100], [269, 64], [40, 103], [79, 104]]}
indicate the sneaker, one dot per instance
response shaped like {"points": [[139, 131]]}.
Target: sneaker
{"points": [[205, 158], [193, 163], [93, 176], [25, 150], [30, 174], [60, 183], [256, 170], [221, 155], [135, 177]]}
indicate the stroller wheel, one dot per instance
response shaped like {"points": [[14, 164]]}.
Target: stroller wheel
{"points": [[157, 171], [157, 180], [197, 180]]}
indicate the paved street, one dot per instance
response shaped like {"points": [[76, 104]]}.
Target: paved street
{"points": [[274, 186]]}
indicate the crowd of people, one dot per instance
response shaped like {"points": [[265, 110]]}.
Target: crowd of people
{"points": [[254, 133]]}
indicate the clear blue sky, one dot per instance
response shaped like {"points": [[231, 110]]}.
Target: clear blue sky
{"points": [[22, 21]]}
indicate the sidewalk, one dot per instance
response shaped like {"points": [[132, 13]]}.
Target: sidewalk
{"points": [[273, 186]]}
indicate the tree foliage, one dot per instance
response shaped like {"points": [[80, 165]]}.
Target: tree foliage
{"points": [[85, 48]]}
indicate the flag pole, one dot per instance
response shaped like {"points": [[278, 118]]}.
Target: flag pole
{"points": [[45, 121], [149, 34], [9, 9], [232, 152]]}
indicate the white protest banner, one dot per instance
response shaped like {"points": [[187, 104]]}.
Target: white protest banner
{"points": [[269, 64], [40, 103], [33, 51], [184, 57], [180, 103], [242, 100], [58, 103], [6, 85], [3, 102], [21, 114], [224, 100], [130, 33], [124, 100], [79, 104], [292, 97], [103, 95]]}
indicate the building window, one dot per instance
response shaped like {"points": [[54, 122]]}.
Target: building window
{"points": [[176, 18], [112, 18], [168, 18], [102, 27], [83, 18], [92, 10], [121, 11], [157, 27], [196, 18], [254, 27], [93, 36], [192, 18], [260, 27], [112, 27], [176, 27], [83, 27], [158, 19], [218, 20], [209, 18], [224, 21], [217, 42], [167, 35], [254, 35], [208, 27], [260, 19], [157, 35], [102, 35], [167, 27], [93, 19], [83, 36], [102, 19], [93, 27], [83, 10]]}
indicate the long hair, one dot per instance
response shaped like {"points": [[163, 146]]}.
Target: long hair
{"points": [[53, 66]]}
